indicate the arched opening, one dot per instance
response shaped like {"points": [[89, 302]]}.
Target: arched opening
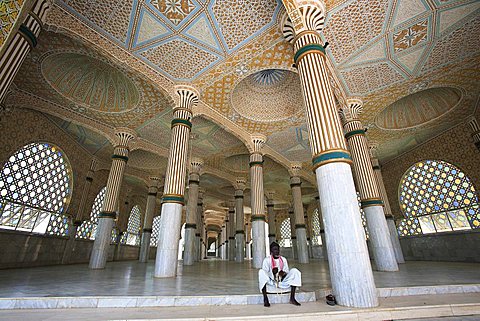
{"points": [[88, 228], [132, 235]]}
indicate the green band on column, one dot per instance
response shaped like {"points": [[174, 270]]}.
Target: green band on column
{"points": [[152, 194], [330, 157], [258, 218], [256, 163], [307, 48], [239, 196], [354, 132], [240, 232], [173, 199], [372, 202], [147, 230], [31, 38], [190, 225], [105, 214], [180, 121], [124, 158], [296, 184], [300, 226]]}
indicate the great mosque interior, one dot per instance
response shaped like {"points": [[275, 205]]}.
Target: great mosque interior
{"points": [[153, 141]]}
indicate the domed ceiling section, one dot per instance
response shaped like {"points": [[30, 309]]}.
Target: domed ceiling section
{"points": [[418, 108], [90, 82], [268, 96]]}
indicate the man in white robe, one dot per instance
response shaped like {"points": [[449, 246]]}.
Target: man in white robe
{"points": [[275, 273]]}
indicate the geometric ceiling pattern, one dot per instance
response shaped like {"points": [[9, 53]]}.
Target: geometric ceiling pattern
{"points": [[9, 12]]}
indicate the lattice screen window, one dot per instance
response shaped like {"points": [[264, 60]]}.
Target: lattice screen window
{"points": [[35, 189], [316, 238], [132, 235], [435, 197], [155, 231], [285, 233], [88, 228]]}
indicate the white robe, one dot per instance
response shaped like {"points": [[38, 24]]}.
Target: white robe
{"points": [[265, 276]]}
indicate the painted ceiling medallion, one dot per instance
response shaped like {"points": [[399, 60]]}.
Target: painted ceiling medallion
{"points": [[89, 82], [174, 10], [419, 108], [268, 95]]}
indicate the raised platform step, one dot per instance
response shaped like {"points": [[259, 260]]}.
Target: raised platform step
{"points": [[215, 300]]}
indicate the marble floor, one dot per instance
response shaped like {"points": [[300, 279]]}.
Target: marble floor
{"points": [[210, 277]]}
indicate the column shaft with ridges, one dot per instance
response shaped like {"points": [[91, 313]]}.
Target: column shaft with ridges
{"points": [[231, 231], [148, 221], [293, 234], [199, 223], [191, 214], [271, 221], [106, 217], [240, 225], [173, 194], [22, 43], [300, 227], [473, 123], [322, 231], [372, 205], [350, 269]]}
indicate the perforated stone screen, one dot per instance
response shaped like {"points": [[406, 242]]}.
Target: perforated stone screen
{"points": [[88, 228], [285, 233]]}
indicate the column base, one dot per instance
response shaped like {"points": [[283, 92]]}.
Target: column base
{"points": [[101, 245], [168, 236]]}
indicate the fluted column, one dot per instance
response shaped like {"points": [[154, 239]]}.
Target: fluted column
{"points": [[22, 43], [350, 269], [199, 222], [81, 214], [300, 227], [473, 123], [148, 221], [231, 231], [106, 217], [239, 220], [223, 234], [258, 200], [322, 230], [370, 200], [248, 237], [293, 234], [173, 194], [386, 206], [192, 207], [271, 218], [308, 228]]}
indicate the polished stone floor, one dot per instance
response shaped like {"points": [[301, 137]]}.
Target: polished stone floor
{"points": [[211, 277]]}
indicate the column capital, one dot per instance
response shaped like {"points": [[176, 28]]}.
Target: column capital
{"points": [[373, 149], [295, 169], [124, 136], [303, 17], [189, 97], [154, 181], [240, 184], [257, 142], [352, 110], [196, 165]]}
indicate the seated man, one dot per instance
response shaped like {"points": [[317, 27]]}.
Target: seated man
{"points": [[275, 272]]}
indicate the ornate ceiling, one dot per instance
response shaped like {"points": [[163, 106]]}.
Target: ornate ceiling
{"points": [[106, 64]]}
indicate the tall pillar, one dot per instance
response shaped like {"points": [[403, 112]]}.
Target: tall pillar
{"points": [[473, 123], [350, 270], [257, 200], [386, 206], [308, 228], [370, 201], [81, 214], [293, 235], [192, 207], [248, 236], [322, 230], [271, 218], [223, 251], [173, 201], [106, 217], [148, 221], [22, 43], [300, 227], [199, 222], [231, 231], [239, 220]]}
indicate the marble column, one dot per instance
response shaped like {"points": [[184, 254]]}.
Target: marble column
{"points": [[223, 251], [322, 230], [475, 127], [293, 235], [271, 218], [257, 200], [239, 220], [21, 44], [173, 194], [81, 214], [191, 214], [370, 200], [148, 221], [199, 222], [300, 227], [231, 231], [106, 217], [386, 206], [350, 270], [248, 236], [308, 228]]}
